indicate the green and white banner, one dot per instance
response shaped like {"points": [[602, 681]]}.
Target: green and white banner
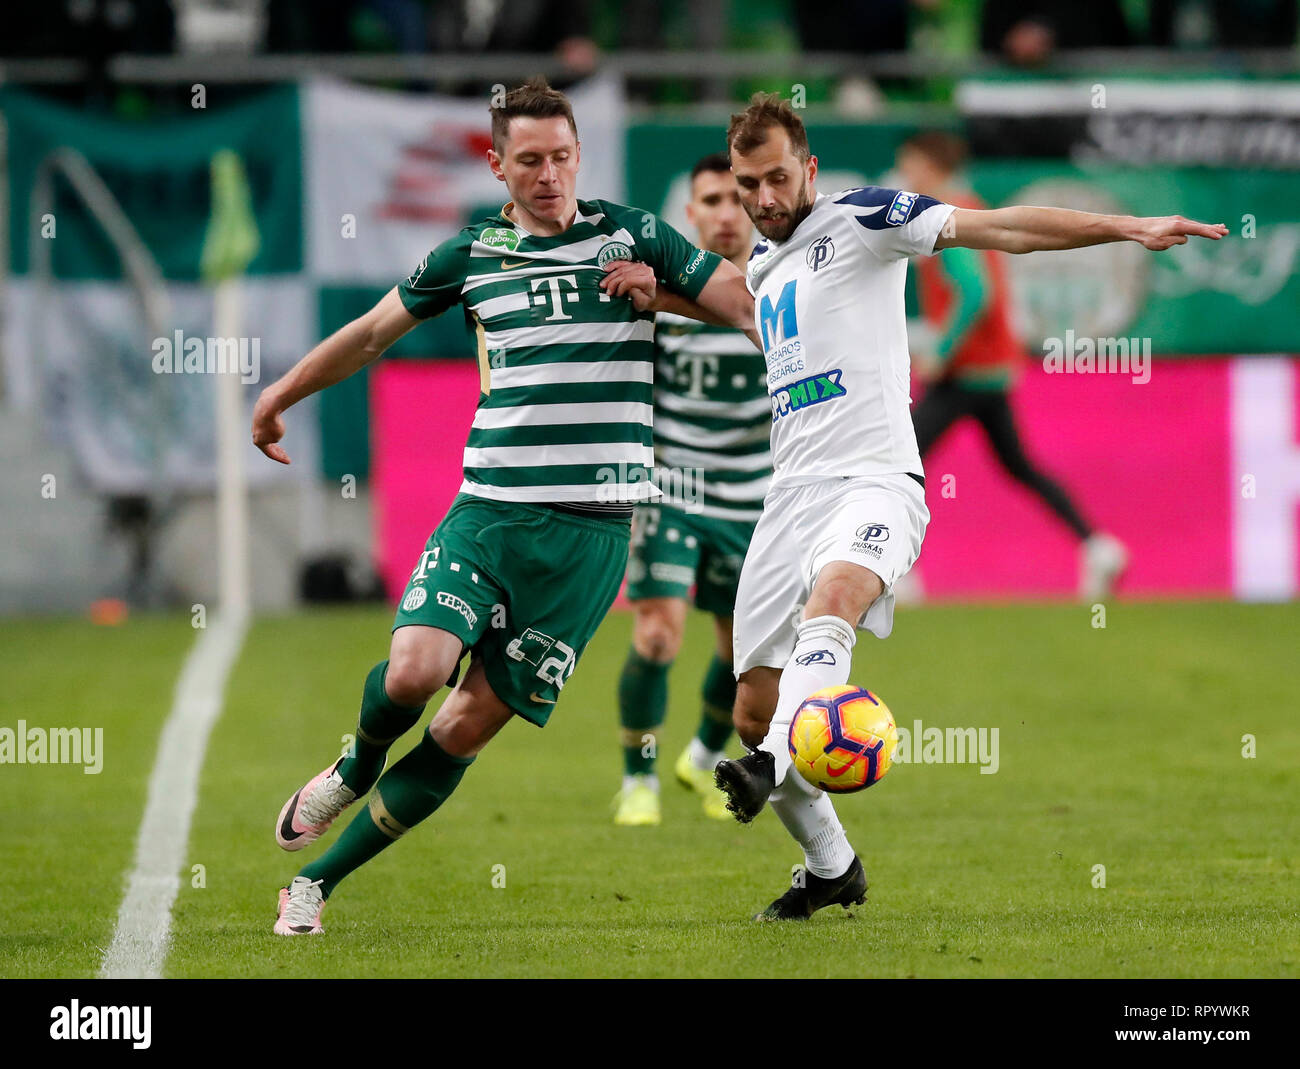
{"points": [[107, 329], [349, 188]]}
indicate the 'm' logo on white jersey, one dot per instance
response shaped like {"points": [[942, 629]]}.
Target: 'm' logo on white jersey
{"points": [[778, 323]]}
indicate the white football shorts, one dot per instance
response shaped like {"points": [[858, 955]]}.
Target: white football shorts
{"points": [[877, 521]]}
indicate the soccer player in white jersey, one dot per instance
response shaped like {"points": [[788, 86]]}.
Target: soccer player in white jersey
{"points": [[846, 513]]}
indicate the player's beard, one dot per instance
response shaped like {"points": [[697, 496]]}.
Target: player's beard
{"points": [[783, 228]]}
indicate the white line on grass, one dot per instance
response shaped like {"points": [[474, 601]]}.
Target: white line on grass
{"points": [[144, 921]]}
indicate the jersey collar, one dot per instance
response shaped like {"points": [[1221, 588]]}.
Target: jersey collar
{"points": [[578, 217]]}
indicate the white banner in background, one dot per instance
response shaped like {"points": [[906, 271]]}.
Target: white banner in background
{"points": [[390, 175], [135, 422]]}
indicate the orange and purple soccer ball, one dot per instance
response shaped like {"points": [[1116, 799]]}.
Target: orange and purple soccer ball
{"points": [[843, 739]]}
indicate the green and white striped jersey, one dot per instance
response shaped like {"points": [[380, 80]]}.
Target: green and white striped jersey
{"points": [[712, 415], [566, 371]]}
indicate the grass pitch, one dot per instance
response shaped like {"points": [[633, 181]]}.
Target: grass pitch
{"points": [[1119, 747]]}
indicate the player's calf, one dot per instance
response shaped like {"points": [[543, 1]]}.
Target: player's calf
{"points": [[748, 781], [756, 697]]}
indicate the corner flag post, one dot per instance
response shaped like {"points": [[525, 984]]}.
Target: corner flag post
{"points": [[231, 243]]}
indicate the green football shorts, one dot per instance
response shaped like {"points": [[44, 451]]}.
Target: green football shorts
{"points": [[525, 586], [673, 550]]}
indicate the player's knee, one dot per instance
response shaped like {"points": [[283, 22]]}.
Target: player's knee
{"points": [[846, 596], [656, 638], [415, 676], [408, 684]]}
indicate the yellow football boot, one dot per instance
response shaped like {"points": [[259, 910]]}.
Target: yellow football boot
{"points": [[701, 782], [637, 805]]}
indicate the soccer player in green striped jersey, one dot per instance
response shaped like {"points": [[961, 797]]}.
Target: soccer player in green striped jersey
{"points": [[531, 553], [712, 426]]}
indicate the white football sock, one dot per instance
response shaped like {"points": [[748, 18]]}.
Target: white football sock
{"points": [[701, 756], [650, 780], [810, 818], [822, 655]]}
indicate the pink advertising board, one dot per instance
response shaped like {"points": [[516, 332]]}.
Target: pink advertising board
{"points": [[1197, 470]]}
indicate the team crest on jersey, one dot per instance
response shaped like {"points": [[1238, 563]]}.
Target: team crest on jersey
{"points": [[821, 252], [500, 237], [414, 599], [613, 250], [900, 209]]}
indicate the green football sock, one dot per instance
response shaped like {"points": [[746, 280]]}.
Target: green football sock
{"points": [[381, 723], [406, 794], [642, 703], [719, 694]]}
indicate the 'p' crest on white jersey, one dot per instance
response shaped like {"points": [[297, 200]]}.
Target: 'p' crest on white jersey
{"points": [[828, 307]]}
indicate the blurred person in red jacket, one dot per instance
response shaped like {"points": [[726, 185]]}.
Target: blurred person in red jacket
{"points": [[965, 299]]}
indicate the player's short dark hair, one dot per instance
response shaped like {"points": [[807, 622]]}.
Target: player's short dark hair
{"points": [[750, 128], [943, 148], [535, 99], [713, 163]]}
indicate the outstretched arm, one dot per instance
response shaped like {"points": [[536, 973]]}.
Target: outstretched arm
{"points": [[343, 353], [1022, 228], [725, 300]]}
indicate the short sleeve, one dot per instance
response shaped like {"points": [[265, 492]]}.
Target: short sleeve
{"points": [[894, 223], [436, 284], [682, 266]]}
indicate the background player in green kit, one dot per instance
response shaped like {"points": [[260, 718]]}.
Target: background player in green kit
{"points": [[559, 448], [711, 422]]}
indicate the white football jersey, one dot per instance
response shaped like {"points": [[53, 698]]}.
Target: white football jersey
{"points": [[828, 305]]}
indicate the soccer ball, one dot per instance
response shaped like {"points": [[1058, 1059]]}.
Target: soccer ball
{"points": [[843, 739]]}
